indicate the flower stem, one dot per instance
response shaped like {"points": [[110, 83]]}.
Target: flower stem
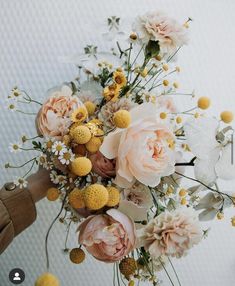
{"points": [[177, 277]]}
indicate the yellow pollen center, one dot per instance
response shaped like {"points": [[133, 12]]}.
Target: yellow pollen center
{"points": [[58, 148], [15, 147], [67, 156]]}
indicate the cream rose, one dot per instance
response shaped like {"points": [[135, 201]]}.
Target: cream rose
{"points": [[142, 150], [53, 119]]}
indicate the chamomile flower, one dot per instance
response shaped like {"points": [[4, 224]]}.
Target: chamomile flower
{"points": [[53, 177], [42, 160], [15, 94], [20, 182], [59, 148], [15, 147], [48, 143], [12, 106], [66, 157], [62, 180]]}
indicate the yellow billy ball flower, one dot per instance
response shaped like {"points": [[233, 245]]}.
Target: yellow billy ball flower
{"points": [[96, 197], [76, 199], [81, 134], [119, 78], [77, 255], [90, 106], [79, 115], [179, 120], [122, 118], [111, 92], [204, 102], [131, 283], [163, 115], [47, 279], [165, 82], [114, 197], [81, 166], [66, 140], [53, 194], [93, 145], [227, 116], [128, 266], [233, 221], [220, 216], [144, 72], [183, 201], [176, 85], [165, 67], [182, 193], [158, 58]]}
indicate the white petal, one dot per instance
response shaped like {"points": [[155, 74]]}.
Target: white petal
{"points": [[133, 211], [225, 167], [200, 134]]}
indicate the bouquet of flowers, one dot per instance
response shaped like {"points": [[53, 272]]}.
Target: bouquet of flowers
{"points": [[117, 148]]}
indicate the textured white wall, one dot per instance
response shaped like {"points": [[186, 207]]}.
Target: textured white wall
{"points": [[32, 36]]}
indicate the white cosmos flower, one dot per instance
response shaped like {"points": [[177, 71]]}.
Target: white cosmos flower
{"points": [[214, 158], [66, 157], [136, 201], [15, 147], [58, 148], [20, 182]]}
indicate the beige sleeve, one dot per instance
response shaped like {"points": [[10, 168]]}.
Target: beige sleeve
{"points": [[17, 212]]}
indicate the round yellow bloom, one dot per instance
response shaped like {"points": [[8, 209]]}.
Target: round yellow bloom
{"points": [[182, 193], [158, 58], [119, 78], [220, 216], [111, 92], [96, 197], [76, 199], [93, 145], [128, 266], [131, 283], [77, 255], [79, 115], [66, 140], [90, 106], [183, 201], [47, 279], [227, 116], [81, 166], [144, 72], [179, 119], [122, 118], [204, 102], [165, 67], [233, 221], [176, 85], [114, 197], [165, 82], [81, 134], [163, 115], [169, 191], [53, 194]]}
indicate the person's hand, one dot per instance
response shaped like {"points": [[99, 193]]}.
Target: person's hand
{"points": [[39, 183]]}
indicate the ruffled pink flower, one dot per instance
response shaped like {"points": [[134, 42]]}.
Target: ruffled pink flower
{"points": [[102, 165], [108, 237], [142, 150], [53, 119], [171, 233]]}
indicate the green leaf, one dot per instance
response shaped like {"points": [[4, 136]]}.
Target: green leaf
{"points": [[152, 49]]}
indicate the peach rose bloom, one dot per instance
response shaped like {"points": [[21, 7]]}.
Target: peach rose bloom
{"points": [[53, 119], [108, 237], [171, 233], [102, 165], [142, 150]]}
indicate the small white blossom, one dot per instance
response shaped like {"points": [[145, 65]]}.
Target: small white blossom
{"points": [[62, 180], [20, 182], [12, 106], [15, 147], [15, 94], [53, 177], [48, 143], [42, 160], [66, 157], [59, 148]]}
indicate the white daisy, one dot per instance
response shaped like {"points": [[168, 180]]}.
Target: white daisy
{"points": [[20, 182], [42, 160], [15, 147], [59, 148], [15, 94], [53, 177], [62, 180], [66, 157], [12, 106], [48, 143]]}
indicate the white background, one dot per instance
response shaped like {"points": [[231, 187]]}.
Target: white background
{"points": [[33, 34]]}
